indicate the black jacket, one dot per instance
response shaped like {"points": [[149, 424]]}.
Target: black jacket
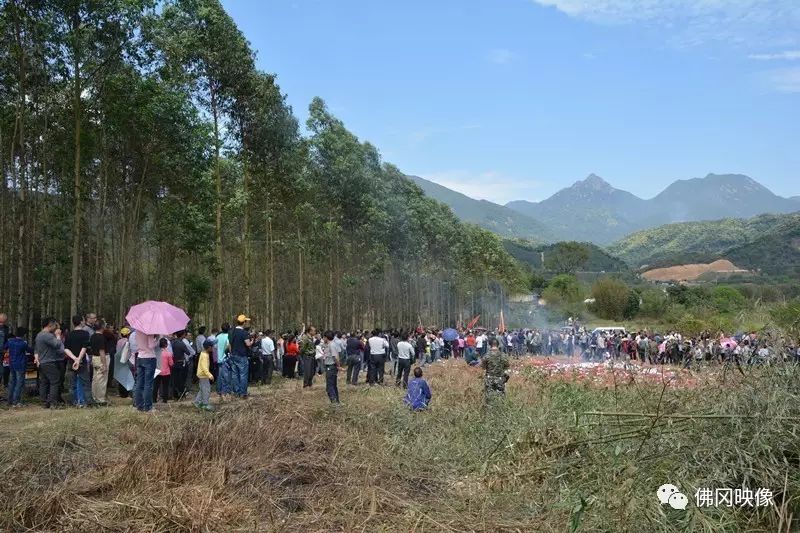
{"points": [[180, 352]]}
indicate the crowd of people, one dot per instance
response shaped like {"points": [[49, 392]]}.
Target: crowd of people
{"points": [[151, 368], [81, 361], [656, 348]]}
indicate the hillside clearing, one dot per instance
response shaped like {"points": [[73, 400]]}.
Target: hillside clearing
{"points": [[691, 272]]}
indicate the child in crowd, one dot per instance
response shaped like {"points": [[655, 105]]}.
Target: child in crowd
{"points": [[419, 393], [18, 354], [205, 376], [162, 381]]}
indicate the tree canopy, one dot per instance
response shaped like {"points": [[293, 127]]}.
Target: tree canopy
{"points": [[145, 156], [566, 257]]}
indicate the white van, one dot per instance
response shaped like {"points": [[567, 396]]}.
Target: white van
{"points": [[609, 330]]}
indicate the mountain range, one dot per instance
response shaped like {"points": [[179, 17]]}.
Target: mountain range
{"points": [[593, 210], [494, 217]]}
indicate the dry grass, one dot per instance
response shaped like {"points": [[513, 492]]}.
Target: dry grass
{"points": [[287, 461]]}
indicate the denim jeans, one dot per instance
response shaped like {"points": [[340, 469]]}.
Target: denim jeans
{"points": [[143, 395], [16, 384], [224, 380], [331, 386], [78, 391], [353, 368], [240, 367]]}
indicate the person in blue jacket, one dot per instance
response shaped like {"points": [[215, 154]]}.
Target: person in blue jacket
{"points": [[419, 393], [18, 355]]}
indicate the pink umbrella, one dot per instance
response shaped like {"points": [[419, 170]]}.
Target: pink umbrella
{"points": [[730, 342], [157, 318]]}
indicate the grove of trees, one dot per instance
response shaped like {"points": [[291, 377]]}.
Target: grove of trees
{"points": [[143, 155]]}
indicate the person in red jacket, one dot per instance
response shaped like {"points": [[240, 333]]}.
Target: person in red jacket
{"points": [[291, 351]]}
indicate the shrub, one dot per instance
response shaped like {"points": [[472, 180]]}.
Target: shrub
{"points": [[727, 299], [611, 298], [563, 289], [654, 303], [689, 325]]}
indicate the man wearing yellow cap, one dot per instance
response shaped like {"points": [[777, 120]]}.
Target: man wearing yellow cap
{"points": [[240, 342]]}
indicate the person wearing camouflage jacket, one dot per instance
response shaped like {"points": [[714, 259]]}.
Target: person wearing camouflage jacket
{"points": [[496, 366]]}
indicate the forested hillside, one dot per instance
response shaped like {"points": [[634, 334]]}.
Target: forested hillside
{"points": [[775, 252], [597, 259], [144, 156], [695, 241]]}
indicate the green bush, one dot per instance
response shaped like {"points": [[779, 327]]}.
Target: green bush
{"points": [[727, 299], [563, 289], [689, 325], [654, 303], [611, 298]]}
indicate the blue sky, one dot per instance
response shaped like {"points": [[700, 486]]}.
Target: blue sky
{"points": [[515, 99]]}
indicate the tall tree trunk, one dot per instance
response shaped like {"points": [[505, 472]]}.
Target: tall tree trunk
{"points": [[4, 260], [302, 295], [271, 291], [331, 323], [127, 231], [77, 212], [218, 218], [22, 165], [247, 245]]}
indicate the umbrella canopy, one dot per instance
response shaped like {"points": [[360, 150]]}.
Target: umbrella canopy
{"points": [[730, 342], [157, 318], [450, 334]]}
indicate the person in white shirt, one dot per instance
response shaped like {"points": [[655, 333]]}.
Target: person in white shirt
{"points": [[405, 353], [267, 357], [378, 346], [340, 341]]}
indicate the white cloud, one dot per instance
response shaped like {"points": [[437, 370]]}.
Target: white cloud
{"points": [[788, 55], [500, 56], [784, 80], [489, 185], [694, 22]]}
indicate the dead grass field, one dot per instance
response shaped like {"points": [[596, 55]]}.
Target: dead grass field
{"points": [[286, 460]]}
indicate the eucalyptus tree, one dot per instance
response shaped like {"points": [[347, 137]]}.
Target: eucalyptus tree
{"points": [[205, 50], [91, 38]]}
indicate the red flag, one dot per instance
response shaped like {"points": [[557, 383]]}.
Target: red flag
{"points": [[473, 322], [502, 325]]}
